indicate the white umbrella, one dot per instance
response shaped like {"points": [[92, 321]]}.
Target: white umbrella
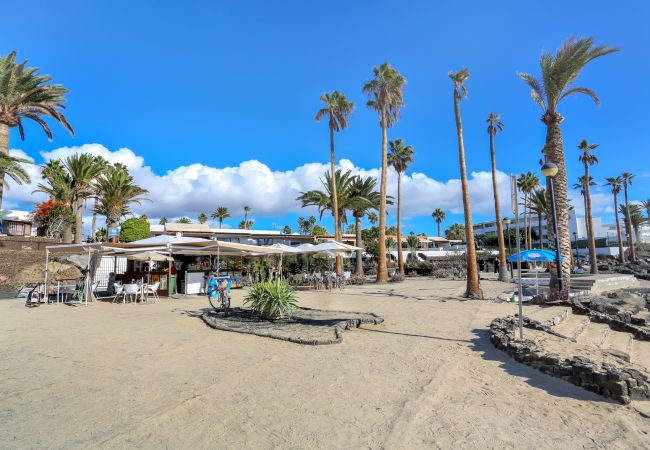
{"points": [[149, 256], [333, 246]]}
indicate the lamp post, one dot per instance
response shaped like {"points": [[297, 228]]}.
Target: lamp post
{"points": [[549, 170], [577, 252], [508, 221]]}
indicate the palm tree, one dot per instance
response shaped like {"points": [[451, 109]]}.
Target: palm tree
{"points": [[93, 226], [163, 221], [116, 191], [400, 157], [494, 126], [246, 222], [559, 73], [413, 242], [323, 200], [439, 216], [527, 183], [386, 96], [11, 166], [220, 213], [646, 206], [473, 285], [456, 232], [363, 198], [373, 218], [337, 109], [615, 183], [635, 217], [184, 220], [587, 158], [84, 168], [24, 94], [627, 181], [202, 218], [59, 186], [538, 206], [390, 243], [581, 184]]}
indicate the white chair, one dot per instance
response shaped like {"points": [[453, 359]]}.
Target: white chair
{"points": [[119, 292], [346, 277], [131, 291], [152, 290], [94, 290]]}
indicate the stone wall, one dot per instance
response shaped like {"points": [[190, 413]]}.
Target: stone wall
{"points": [[618, 383], [25, 242]]}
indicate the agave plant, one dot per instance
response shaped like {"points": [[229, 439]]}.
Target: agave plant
{"points": [[272, 299]]}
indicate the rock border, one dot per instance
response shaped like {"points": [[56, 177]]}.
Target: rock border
{"points": [[338, 328], [618, 383]]}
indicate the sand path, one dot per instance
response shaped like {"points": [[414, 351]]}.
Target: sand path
{"points": [[153, 376]]}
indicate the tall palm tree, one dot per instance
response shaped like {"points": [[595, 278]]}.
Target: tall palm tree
{"points": [[163, 221], [439, 216], [615, 183], [24, 94], [473, 284], [337, 109], [363, 199], [400, 156], [202, 218], [559, 73], [581, 186], [587, 158], [494, 126], [246, 222], [84, 168], [627, 181], [116, 191], [323, 200], [386, 96], [527, 183], [538, 206], [11, 166], [220, 213]]}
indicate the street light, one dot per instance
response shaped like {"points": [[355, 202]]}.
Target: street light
{"points": [[549, 170], [508, 221]]}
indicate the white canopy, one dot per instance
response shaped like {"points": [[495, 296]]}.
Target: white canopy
{"points": [[149, 256]]}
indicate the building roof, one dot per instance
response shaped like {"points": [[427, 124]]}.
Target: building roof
{"points": [[187, 227], [18, 216]]}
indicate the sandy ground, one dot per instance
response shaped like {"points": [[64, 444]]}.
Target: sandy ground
{"points": [[154, 376]]}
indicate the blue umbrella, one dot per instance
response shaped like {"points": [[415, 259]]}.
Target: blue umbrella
{"points": [[536, 254]]}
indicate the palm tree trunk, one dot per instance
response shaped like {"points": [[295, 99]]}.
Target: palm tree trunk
{"points": [[67, 234], [93, 228], [619, 235], [554, 152], [526, 246], [438, 228], [628, 225], [335, 202], [4, 150], [359, 243], [584, 201], [591, 239], [400, 260], [503, 267], [79, 228], [473, 285], [220, 222], [382, 270], [539, 228]]}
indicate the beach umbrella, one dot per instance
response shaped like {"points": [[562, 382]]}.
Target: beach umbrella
{"points": [[536, 255]]}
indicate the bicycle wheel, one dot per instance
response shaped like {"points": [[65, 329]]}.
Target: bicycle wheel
{"points": [[225, 302]]}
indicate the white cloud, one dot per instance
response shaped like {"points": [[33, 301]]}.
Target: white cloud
{"points": [[191, 189]]}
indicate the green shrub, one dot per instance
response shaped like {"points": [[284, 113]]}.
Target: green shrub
{"points": [[272, 299], [134, 229]]}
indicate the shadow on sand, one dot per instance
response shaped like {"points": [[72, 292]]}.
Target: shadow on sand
{"points": [[553, 386]]}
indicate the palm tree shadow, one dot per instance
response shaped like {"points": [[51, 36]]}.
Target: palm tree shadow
{"points": [[533, 377]]}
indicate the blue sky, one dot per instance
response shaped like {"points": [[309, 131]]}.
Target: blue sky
{"points": [[219, 83]]}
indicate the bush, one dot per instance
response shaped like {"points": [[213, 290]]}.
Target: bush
{"points": [[272, 299], [357, 279], [134, 229]]}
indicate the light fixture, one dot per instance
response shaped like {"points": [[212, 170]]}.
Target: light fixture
{"points": [[507, 220], [549, 170]]}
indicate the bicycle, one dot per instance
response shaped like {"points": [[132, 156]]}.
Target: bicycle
{"points": [[217, 292]]}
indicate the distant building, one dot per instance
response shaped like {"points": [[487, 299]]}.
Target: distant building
{"points": [[18, 223]]}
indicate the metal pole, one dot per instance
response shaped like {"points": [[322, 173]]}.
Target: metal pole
{"points": [[509, 245], [558, 261], [47, 258], [519, 286]]}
